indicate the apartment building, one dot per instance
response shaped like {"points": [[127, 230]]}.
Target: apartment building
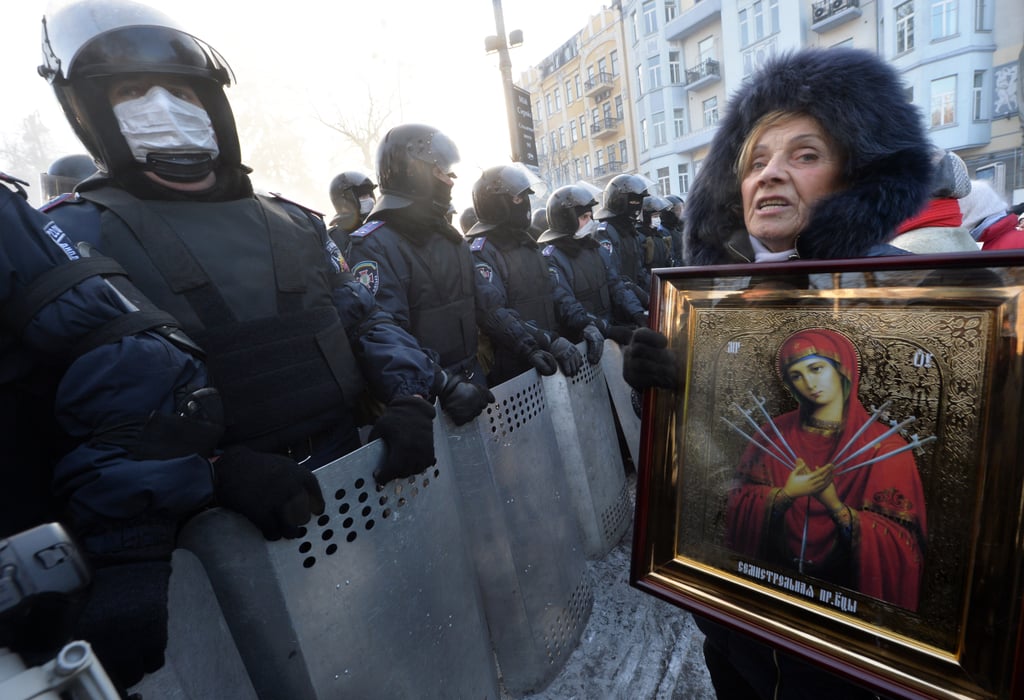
{"points": [[679, 60]]}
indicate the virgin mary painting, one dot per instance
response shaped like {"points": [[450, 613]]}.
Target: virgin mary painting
{"points": [[829, 490]]}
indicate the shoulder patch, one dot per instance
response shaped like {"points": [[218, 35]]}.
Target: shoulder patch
{"points": [[607, 245], [478, 243], [59, 199], [548, 250], [368, 274], [485, 270], [366, 229], [334, 253]]}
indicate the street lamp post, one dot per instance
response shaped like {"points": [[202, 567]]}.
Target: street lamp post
{"points": [[501, 43]]}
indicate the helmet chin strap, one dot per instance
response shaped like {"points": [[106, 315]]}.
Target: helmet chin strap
{"points": [[180, 167]]}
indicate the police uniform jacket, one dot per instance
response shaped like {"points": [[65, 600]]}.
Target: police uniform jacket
{"points": [[90, 373], [420, 270], [290, 336], [619, 236], [514, 298], [587, 287]]}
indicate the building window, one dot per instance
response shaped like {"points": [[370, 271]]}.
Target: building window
{"points": [[944, 101], [547, 103], [981, 20], [602, 67], [537, 111], [679, 122], [671, 10], [606, 112], [639, 80], [675, 70], [554, 143], [706, 49], [561, 137], [595, 119], [658, 128], [583, 126], [613, 57], [623, 151], [710, 106], [650, 10], [654, 72], [579, 87], [943, 18], [634, 27], [664, 181], [757, 21], [599, 158], [618, 107], [558, 99], [611, 154], [683, 173], [574, 135], [905, 27], [591, 75], [978, 95], [643, 135], [568, 92], [586, 166], [576, 168]]}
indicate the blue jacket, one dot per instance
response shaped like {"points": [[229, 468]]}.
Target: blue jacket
{"points": [[62, 410]]}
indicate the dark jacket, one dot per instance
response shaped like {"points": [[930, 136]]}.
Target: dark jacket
{"points": [[888, 164]]}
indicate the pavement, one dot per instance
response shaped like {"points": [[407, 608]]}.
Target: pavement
{"points": [[634, 646]]}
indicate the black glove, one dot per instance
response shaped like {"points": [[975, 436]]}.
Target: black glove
{"points": [[407, 428], [463, 400], [644, 297], [272, 491], [568, 356], [640, 320], [125, 619], [620, 334], [595, 343], [543, 361], [648, 362]]}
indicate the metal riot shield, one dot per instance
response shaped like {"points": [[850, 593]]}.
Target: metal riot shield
{"points": [[591, 458], [523, 534], [378, 598], [622, 398], [201, 660]]}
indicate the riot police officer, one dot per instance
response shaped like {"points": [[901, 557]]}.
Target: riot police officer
{"points": [[290, 338], [514, 295], [656, 241], [619, 213], [419, 267], [538, 222], [352, 197], [467, 219], [588, 291], [64, 173], [107, 422], [672, 220]]}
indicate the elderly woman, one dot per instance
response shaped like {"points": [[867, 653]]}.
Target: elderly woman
{"points": [[819, 155]]}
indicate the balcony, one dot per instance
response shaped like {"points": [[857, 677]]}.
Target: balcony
{"points": [[828, 14], [703, 74], [605, 128], [601, 81], [612, 167], [693, 20]]}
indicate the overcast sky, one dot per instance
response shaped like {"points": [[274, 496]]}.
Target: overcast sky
{"points": [[304, 58]]}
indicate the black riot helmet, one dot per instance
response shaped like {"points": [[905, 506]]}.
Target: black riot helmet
{"points": [[539, 222], [501, 196], [654, 204], [64, 173], [406, 159], [467, 219], [87, 44], [346, 190], [565, 206], [623, 195]]}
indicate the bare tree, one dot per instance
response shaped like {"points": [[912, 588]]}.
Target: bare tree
{"points": [[30, 152], [363, 130]]}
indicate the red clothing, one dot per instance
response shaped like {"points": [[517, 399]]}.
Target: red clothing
{"points": [[1002, 235], [882, 556]]}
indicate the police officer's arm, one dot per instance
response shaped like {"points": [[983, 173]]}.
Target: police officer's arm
{"points": [[624, 298], [503, 325], [393, 362], [120, 492], [568, 310]]}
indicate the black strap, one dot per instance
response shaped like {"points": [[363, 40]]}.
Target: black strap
{"points": [[54, 282], [288, 272], [120, 327]]}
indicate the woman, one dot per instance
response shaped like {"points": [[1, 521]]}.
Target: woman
{"points": [[836, 158], [831, 511]]}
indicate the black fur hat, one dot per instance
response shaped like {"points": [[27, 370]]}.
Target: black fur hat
{"points": [[859, 100]]}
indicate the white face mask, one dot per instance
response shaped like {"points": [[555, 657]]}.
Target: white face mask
{"points": [[586, 230], [655, 221], [159, 122], [365, 205]]}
